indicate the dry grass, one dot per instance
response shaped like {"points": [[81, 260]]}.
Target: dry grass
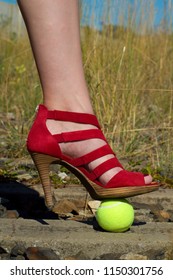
{"points": [[130, 78]]}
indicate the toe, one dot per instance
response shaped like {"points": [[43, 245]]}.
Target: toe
{"points": [[148, 179]]}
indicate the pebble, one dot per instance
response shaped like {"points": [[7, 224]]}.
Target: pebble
{"points": [[62, 175], [165, 214], [132, 256], [11, 214], [18, 249], [41, 253], [24, 177], [94, 205], [19, 252], [79, 256], [5, 256], [2, 211], [65, 206]]}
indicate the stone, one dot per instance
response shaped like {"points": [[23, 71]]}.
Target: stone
{"points": [[79, 256], [133, 256], [65, 206], [169, 254], [2, 211], [158, 254], [63, 176], [164, 214], [18, 249], [94, 205], [18, 257], [41, 253], [143, 216], [109, 256], [24, 177], [161, 215], [5, 256], [12, 214]]}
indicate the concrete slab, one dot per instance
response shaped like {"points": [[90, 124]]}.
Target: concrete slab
{"points": [[78, 239], [82, 239]]}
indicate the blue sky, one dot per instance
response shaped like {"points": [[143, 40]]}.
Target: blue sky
{"points": [[95, 9], [9, 1], [120, 7]]}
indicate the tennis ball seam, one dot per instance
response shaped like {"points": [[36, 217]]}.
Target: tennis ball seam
{"points": [[111, 206]]}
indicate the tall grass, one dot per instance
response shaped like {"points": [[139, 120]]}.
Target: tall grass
{"points": [[20, 92], [130, 78]]}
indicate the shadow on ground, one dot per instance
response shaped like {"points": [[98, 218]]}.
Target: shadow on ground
{"points": [[26, 201]]}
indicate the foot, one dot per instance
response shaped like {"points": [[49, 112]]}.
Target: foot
{"points": [[78, 149]]}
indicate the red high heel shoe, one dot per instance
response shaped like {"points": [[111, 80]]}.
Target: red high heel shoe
{"points": [[45, 149]]}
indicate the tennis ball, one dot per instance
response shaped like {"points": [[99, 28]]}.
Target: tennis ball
{"points": [[115, 215]]}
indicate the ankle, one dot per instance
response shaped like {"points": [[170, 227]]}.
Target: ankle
{"points": [[70, 106]]}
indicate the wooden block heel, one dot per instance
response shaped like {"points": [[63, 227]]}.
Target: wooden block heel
{"points": [[42, 163]]}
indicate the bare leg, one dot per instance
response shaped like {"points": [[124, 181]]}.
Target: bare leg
{"points": [[53, 28]]}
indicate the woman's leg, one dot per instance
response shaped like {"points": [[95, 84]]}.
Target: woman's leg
{"points": [[53, 28]]}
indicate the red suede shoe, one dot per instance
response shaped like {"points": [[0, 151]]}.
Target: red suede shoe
{"points": [[45, 149]]}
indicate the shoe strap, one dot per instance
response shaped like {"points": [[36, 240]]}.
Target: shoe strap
{"points": [[105, 166], [126, 178], [87, 158], [79, 135], [73, 117]]}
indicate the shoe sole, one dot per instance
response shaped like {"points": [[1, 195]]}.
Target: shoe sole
{"points": [[43, 162]]}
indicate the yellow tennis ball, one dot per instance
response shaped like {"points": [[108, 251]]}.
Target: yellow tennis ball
{"points": [[115, 215]]}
